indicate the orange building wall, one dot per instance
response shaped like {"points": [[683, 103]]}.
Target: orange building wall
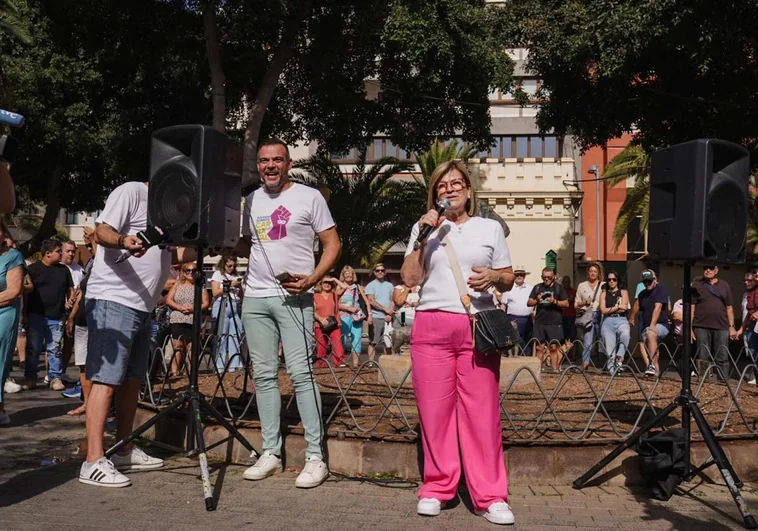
{"points": [[611, 200]]}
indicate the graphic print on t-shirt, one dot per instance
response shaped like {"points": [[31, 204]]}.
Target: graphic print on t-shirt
{"points": [[273, 227]]}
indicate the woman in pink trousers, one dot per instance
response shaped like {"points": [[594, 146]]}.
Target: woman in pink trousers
{"points": [[457, 389]]}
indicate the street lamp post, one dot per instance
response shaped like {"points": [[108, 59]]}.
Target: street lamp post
{"points": [[595, 169]]}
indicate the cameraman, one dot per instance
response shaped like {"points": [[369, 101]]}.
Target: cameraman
{"points": [[7, 193], [550, 299], [229, 329]]}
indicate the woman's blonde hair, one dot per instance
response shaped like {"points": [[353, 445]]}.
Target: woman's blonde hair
{"points": [[320, 286], [348, 269], [442, 170], [181, 279], [600, 270]]}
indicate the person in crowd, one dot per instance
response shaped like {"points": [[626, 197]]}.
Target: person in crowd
{"points": [[76, 328], [749, 319], [614, 305], [119, 303], [12, 272], [517, 307], [352, 315], [653, 304], [7, 191], [379, 292], [549, 298], [588, 300], [677, 320], [46, 311], [456, 387], [406, 300], [326, 305], [281, 220], [68, 256], [10, 386], [229, 329], [713, 319], [569, 315], [181, 300]]}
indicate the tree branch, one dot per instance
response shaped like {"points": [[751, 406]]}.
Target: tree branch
{"points": [[218, 80]]}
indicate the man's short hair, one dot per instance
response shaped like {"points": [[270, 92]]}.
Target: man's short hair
{"points": [[548, 270], [273, 141], [68, 242], [48, 246]]}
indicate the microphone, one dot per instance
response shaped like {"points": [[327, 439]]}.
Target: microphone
{"points": [[150, 237], [442, 206]]}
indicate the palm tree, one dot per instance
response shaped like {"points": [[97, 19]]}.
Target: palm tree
{"points": [[633, 162], [372, 210], [11, 23], [752, 216], [438, 154]]}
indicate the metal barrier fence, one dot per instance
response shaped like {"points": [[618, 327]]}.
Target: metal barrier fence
{"points": [[572, 404]]}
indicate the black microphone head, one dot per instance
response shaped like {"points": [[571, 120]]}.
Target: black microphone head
{"points": [[152, 236], [443, 204]]}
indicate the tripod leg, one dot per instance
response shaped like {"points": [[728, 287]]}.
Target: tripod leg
{"points": [[579, 483], [724, 467], [146, 426], [210, 503], [233, 431]]}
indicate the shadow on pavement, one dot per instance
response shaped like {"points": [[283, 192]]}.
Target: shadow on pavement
{"points": [[27, 485]]}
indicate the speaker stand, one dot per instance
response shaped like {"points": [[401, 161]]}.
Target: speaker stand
{"points": [[194, 401], [690, 409]]}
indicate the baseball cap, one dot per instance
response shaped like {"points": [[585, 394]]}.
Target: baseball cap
{"points": [[647, 276]]}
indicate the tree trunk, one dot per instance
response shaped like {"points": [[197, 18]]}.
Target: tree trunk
{"points": [[52, 209], [218, 80], [284, 51]]}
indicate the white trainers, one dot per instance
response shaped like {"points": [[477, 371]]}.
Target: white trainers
{"points": [[102, 473], [266, 465], [314, 473], [5, 419], [650, 371], [752, 381], [135, 460], [429, 507], [11, 386], [498, 513]]}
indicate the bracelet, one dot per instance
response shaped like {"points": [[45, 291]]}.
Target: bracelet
{"points": [[121, 242]]}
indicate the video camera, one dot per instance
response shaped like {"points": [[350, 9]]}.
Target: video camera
{"points": [[8, 144], [546, 295]]}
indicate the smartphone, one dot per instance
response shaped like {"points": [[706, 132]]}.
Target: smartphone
{"points": [[284, 277]]}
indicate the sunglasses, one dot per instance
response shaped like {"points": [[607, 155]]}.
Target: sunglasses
{"points": [[190, 270], [548, 278], [379, 270], [520, 275], [611, 279], [709, 268]]}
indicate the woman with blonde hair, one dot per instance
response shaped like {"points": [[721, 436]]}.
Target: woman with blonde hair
{"points": [[181, 300], [588, 300], [351, 313], [456, 387]]}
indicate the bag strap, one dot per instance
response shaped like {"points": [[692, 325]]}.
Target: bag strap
{"points": [[457, 273], [594, 296], [715, 292]]}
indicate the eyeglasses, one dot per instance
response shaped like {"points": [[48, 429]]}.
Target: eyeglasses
{"points": [[190, 270], [548, 278], [456, 185], [709, 268], [519, 275], [610, 279], [379, 270]]}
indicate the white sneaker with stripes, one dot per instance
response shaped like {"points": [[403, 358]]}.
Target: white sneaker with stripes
{"points": [[102, 473], [135, 459]]}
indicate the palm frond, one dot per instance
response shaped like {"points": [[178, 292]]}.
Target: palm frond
{"points": [[636, 204], [11, 23], [633, 161]]}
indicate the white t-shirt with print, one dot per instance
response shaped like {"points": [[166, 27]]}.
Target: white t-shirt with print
{"points": [[135, 282], [282, 228], [77, 272], [479, 242]]}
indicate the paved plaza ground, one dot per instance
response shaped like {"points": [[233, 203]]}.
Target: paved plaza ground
{"points": [[39, 490]]}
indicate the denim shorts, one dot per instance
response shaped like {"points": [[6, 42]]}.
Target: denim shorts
{"points": [[660, 330], [118, 343]]}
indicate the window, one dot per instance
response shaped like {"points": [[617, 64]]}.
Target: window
{"points": [[72, 218], [522, 147], [550, 147], [391, 150], [635, 238], [529, 86], [377, 147], [536, 146]]}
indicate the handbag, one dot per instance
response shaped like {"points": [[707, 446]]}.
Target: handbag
{"points": [[360, 315], [585, 320], [330, 326], [492, 331]]}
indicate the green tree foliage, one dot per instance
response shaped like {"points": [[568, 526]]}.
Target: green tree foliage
{"points": [[632, 163], [369, 206], [12, 24], [671, 70]]}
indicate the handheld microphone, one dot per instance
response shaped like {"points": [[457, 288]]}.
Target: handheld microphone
{"points": [[150, 237], [442, 206]]}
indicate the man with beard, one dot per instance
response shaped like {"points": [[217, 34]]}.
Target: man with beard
{"points": [[280, 222]]}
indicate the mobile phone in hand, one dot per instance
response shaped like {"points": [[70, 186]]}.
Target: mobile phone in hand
{"points": [[284, 277]]}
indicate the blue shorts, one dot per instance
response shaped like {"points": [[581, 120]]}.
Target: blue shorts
{"points": [[660, 330], [118, 342]]}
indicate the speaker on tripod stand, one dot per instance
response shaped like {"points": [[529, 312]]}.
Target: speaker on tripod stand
{"points": [[698, 212], [194, 197]]}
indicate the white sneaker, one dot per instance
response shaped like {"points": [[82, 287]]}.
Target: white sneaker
{"points": [[5, 419], [429, 507], [752, 381], [267, 465], [650, 371], [11, 386], [135, 460], [47, 379], [102, 473], [314, 473], [498, 513]]}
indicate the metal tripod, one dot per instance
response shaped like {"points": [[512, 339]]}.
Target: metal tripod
{"points": [[690, 410], [195, 402]]}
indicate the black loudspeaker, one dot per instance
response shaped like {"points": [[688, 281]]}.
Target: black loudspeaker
{"points": [[195, 190], [699, 202]]}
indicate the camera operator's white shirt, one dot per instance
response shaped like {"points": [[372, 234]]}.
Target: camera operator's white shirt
{"points": [[479, 242], [137, 282], [282, 228], [220, 277]]}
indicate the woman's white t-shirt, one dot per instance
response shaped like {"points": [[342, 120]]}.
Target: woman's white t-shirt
{"points": [[479, 242], [219, 277]]}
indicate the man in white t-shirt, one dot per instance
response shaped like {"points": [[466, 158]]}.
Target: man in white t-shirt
{"points": [[119, 302], [68, 253], [280, 223], [517, 308]]}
